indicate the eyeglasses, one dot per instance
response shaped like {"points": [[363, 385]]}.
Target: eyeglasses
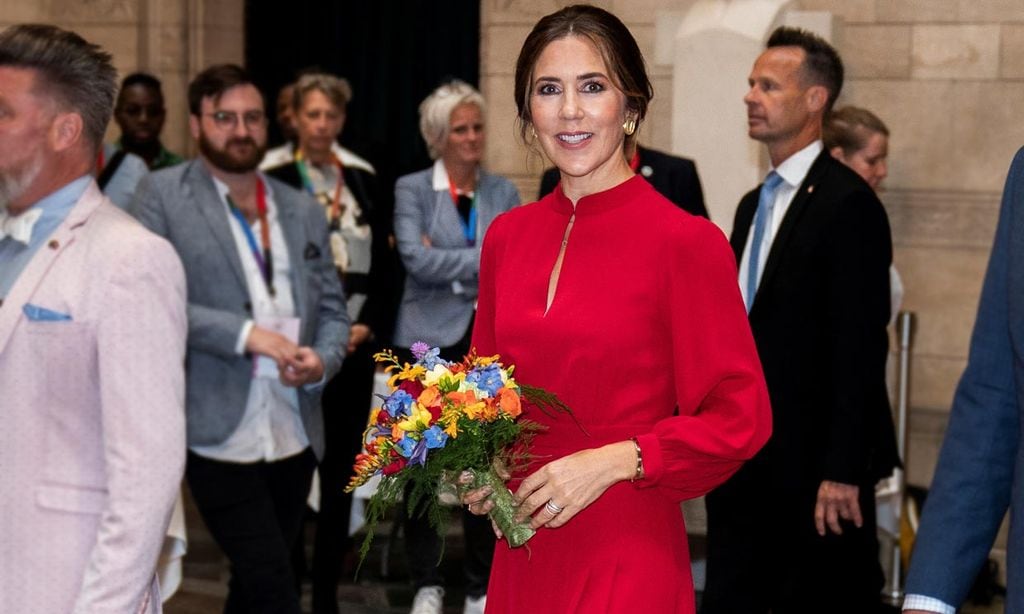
{"points": [[228, 120]]}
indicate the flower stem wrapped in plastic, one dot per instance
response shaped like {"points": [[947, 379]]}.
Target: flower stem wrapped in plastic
{"points": [[440, 419]]}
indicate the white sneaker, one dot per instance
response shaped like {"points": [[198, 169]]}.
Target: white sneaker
{"points": [[475, 605], [429, 600]]}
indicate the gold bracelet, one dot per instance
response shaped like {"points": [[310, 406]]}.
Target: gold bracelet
{"points": [[639, 474]]}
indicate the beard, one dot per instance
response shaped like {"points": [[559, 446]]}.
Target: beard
{"points": [[14, 182], [225, 160]]}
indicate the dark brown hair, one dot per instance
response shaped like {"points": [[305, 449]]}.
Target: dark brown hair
{"points": [[213, 82], [822, 64], [849, 128], [612, 39]]}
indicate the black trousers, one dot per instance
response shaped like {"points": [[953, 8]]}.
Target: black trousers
{"points": [[764, 555], [422, 544], [346, 406], [254, 513]]}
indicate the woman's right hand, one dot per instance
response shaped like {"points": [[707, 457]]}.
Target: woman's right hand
{"points": [[478, 500]]}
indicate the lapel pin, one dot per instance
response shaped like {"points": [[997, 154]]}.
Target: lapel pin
{"points": [[53, 244], [810, 189]]}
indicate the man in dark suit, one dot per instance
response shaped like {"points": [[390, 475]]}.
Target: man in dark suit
{"points": [[794, 529], [673, 177], [266, 328]]}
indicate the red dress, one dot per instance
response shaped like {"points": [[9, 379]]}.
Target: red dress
{"points": [[647, 317]]}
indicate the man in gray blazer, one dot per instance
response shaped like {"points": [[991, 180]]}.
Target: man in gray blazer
{"points": [[267, 324]]}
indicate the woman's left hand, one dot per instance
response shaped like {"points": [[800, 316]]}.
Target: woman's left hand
{"points": [[560, 489]]}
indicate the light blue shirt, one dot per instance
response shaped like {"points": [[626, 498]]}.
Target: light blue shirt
{"points": [[14, 255]]}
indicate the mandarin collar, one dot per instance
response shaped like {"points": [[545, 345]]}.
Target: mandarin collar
{"points": [[599, 202]]}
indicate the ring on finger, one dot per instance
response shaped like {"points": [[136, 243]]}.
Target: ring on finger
{"points": [[553, 509]]}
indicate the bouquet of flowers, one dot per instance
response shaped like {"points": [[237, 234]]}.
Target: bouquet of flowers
{"points": [[443, 418]]}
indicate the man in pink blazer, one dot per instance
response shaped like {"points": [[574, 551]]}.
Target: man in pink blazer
{"points": [[92, 342]]}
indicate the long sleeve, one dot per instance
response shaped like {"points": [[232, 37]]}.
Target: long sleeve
{"points": [[414, 220], [858, 304], [211, 330], [975, 473], [141, 352], [724, 414]]}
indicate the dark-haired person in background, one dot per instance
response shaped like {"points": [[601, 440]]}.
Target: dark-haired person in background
{"points": [[794, 529], [674, 177], [267, 327], [140, 114]]}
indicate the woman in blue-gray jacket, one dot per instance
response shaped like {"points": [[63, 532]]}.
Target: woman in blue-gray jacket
{"points": [[441, 215]]}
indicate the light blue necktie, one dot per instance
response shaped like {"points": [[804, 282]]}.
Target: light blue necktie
{"points": [[765, 205]]}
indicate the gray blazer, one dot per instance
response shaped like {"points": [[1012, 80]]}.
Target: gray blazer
{"points": [[434, 308], [181, 204]]}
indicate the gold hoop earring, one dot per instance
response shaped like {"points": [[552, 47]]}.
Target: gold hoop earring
{"points": [[629, 127]]}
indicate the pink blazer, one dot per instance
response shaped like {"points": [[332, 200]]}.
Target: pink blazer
{"points": [[92, 423]]}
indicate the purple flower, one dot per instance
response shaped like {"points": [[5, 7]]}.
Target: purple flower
{"points": [[419, 453], [435, 437], [419, 350]]}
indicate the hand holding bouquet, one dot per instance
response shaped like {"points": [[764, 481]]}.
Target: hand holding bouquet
{"points": [[443, 418]]}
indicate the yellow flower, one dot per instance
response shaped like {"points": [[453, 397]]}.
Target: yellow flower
{"points": [[419, 419], [453, 428], [409, 372]]}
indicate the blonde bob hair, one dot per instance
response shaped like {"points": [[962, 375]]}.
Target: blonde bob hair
{"points": [[436, 113]]}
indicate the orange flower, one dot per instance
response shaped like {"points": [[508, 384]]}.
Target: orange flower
{"points": [[468, 402], [430, 397], [509, 402]]}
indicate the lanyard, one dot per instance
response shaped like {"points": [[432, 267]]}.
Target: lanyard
{"points": [[264, 259], [468, 226], [334, 208]]}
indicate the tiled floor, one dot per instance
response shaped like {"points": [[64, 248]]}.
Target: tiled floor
{"points": [[382, 586]]}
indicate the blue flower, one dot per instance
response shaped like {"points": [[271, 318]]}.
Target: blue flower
{"points": [[435, 437], [406, 445], [431, 358], [398, 403], [487, 379]]}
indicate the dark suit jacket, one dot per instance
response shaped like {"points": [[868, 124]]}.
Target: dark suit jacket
{"points": [[673, 177], [819, 320], [380, 285]]}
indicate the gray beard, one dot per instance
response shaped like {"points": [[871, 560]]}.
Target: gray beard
{"points": [[14, 183]]}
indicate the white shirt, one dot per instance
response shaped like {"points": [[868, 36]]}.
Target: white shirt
{"points": [[793, 171], [927, 604], [271, 427]]}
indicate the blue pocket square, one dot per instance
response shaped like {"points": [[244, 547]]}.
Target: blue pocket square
{"points": [[42, 314]]}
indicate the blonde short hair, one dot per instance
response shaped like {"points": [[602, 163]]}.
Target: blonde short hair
{"points": [[436, 113]]}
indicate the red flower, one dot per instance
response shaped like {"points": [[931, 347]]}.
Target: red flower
{"points": [[414, 388], [435, 413], [394, 467]]}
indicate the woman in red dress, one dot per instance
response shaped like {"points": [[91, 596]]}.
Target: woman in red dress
{"points": [[627, 308]]}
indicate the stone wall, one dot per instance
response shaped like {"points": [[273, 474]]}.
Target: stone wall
{"points": [[173, 39]]}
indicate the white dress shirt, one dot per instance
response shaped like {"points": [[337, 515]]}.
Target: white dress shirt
{"points": [[271, 428], [793, 171], [927, 604]]}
